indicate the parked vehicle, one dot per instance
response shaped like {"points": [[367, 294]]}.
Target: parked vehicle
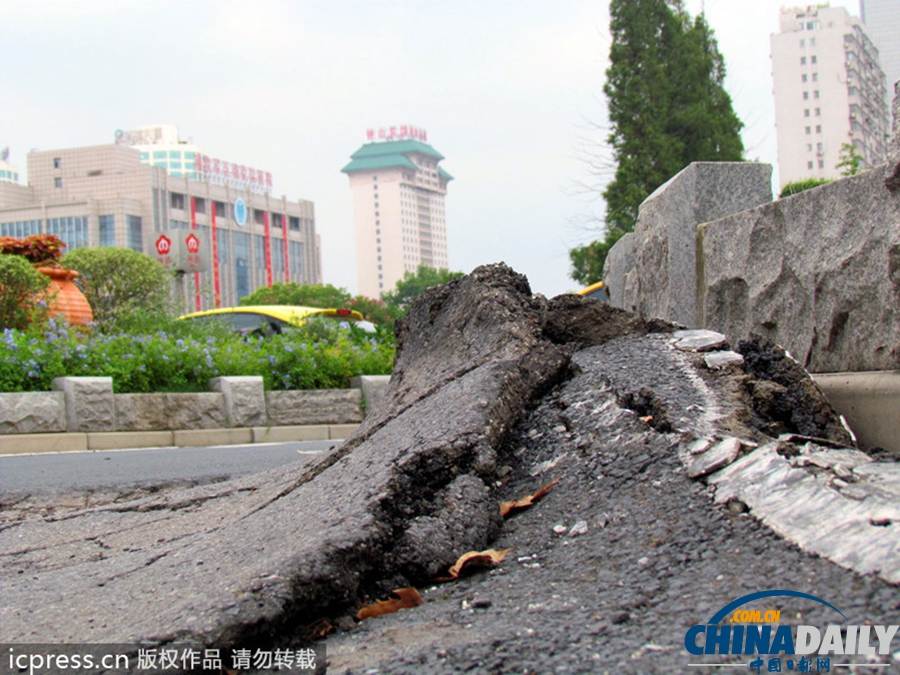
{"points": [[273, 319], [598, 291]]}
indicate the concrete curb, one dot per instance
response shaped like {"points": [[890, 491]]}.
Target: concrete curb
{"points": [[19, 444], [870, 402]]}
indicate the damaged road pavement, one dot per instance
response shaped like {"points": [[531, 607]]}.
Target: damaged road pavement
{"points": [[688, 475]]}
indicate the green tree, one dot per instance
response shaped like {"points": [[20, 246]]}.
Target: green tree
{"points": [[587, 261], [412, 285], [667, 108], [376, 311], [851, 160], [292, 293], [21, 287], [122, 286]]}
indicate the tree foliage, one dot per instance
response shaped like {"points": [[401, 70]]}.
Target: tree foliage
{"points": [[121, 285], [21, 289], [587, 260], [412, 285], [667, 108], [292, 293], [851, 160]]}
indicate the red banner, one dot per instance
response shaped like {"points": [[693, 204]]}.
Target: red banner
{"points": [[287, 262], [215, 254], [268, 250], [196, 274]]}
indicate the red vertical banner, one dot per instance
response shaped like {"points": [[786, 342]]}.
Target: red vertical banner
{"points": [[215, 253], [287, 261], [268, 250], [196, 274]]}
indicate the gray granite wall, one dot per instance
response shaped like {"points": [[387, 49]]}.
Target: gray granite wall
{"points": [[818, 272], [664, 243]]}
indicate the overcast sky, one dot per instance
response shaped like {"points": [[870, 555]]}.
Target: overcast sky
{"points": [[509, 91]]}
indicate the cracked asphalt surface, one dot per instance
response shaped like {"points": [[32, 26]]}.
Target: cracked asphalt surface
{"points": [[495, 394], [656, 557]]}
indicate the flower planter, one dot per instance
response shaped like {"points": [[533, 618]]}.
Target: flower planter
{"points": [[65, 297]]}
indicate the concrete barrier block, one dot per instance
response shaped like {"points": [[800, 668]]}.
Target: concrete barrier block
{"points": [[114, 440], [373, 388], [245, 399], [870, 402], [196, 437], [90, 405], [666, 229], [817, 273], [32, 412], [156, 412], [324, 406], [314, 432], [20, 444], [619, 262]]}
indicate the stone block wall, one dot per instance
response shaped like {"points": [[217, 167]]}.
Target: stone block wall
{"points": [[665, 233], [818, 272], [88, 404]]}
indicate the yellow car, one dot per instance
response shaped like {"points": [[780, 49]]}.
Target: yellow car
{"points": [[270, 319], [597, 291]]}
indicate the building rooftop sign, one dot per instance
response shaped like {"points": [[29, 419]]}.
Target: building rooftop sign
{"points": [[149, 135], [402, 132], [220, 172]]}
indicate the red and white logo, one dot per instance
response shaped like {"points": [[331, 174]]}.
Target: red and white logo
{"points": [[164, 245], [193, 244]]}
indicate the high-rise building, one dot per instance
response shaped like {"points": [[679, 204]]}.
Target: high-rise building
{"points": [[398, 208], [829, 91], [9, 173], [882, 20], [105, 196]]}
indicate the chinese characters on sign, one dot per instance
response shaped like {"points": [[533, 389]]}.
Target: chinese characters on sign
{"points": [[189, 659], [803, 665], [145, 136], [220, 172], [193, 249], [187, 254], [399, 133], [163, 250]]}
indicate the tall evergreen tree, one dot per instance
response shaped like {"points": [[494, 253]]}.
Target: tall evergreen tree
{"points": [[667, 108]]}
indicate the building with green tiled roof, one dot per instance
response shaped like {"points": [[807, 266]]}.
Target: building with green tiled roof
{"points": [[398, 211]]}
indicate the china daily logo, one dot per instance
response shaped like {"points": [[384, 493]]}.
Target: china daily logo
{"points": [[778, 647]]}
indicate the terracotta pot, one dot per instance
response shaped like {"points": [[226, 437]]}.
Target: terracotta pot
{"points": [[67, 298]]}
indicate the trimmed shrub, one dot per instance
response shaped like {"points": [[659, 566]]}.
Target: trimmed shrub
{"points": [[21, 287], [124, 288], [181, 357]]}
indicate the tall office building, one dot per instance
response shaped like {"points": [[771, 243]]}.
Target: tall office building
{"points": [[882, 20], [398, 207], [238, 238], [9, 173], [829, 90]]}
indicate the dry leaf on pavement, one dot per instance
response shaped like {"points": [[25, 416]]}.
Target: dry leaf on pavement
{"points": [[508, 507], [473, 559], [406, 597]]}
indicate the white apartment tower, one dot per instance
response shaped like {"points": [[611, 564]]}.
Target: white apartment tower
{"points": [[398, 210], [882, 20], [829, 90]]}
